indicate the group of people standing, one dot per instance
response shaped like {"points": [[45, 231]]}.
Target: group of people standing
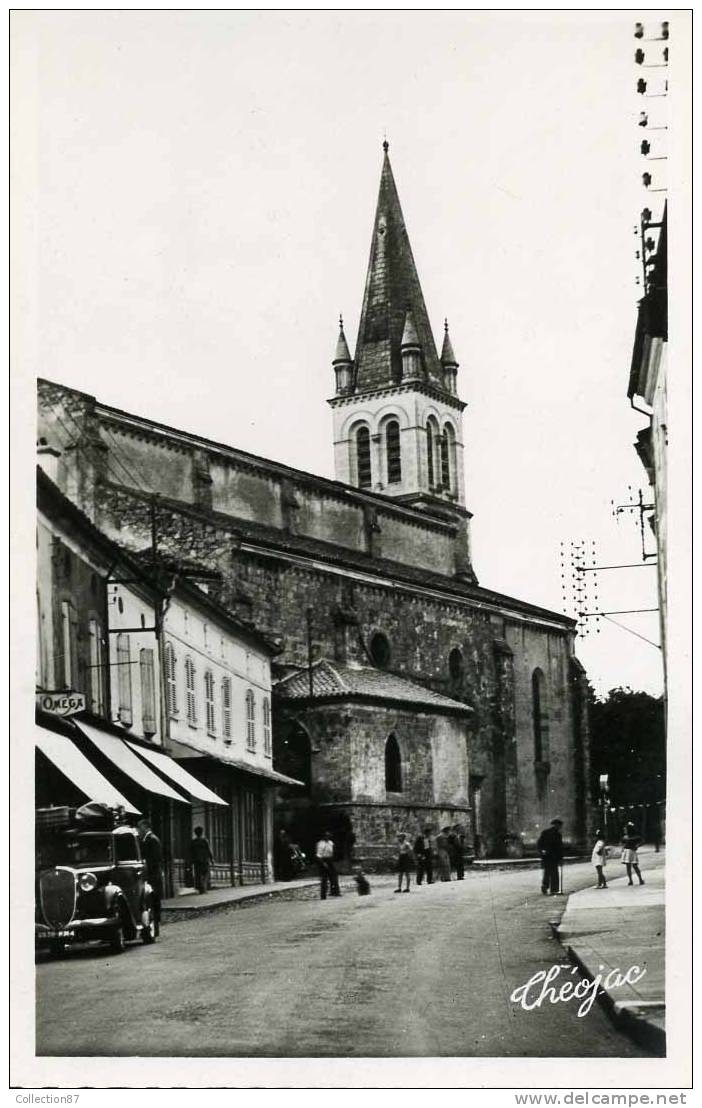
{"points": [[441, 856], [550, 847], [631, 842]]}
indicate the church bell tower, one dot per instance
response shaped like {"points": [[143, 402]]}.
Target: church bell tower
{"points": [[398, 423]]}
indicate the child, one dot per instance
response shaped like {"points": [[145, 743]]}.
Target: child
{"points": [[599, 858], [404, 862], [362, 882], [630, 858]]}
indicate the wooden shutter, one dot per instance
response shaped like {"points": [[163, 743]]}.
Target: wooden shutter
{"points": [[148, 691]]}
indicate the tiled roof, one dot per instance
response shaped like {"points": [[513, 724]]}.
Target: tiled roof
{"points": [[331, 680]]}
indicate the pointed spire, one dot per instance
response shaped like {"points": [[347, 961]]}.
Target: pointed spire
{"points": [[392, 287], [342, 348], [409, 334], [448, 358]]}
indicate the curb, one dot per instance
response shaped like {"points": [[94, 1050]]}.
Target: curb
{"points": [[642, 1020], [176, 914]]}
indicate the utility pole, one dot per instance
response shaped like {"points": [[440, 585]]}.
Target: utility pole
{"points": [[310, 673]]}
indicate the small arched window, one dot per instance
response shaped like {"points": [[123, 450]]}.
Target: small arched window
{"points": [[393, 766], [363, 458], [445, 463], [392, 451], [380, 650], [448, 451], [455, 662]]}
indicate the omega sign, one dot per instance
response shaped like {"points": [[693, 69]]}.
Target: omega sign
{"points": [[61, 703]]}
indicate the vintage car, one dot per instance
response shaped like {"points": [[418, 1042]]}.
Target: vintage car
{"points": [[91, 885]]}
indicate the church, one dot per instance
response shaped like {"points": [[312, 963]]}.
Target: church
{"points": [[407, 694]]}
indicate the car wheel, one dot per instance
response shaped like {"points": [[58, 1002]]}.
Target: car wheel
{"points": [[148, 927], [117, 940]]}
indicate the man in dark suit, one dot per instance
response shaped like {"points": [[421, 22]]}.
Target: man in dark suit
{"points": [[153, 858], [423, 854], [550, 847]]}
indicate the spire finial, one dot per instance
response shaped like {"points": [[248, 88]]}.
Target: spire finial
{"points": [[341, 322], [446, 325], [386, 144]]}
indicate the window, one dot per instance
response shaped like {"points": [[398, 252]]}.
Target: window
{"points": [[210, 702], [539, 706], [96, 680], [191, 705], [148, 691], [124, 680], [267, 746], [393, 766], [455, 662], [227, 708], [445, 465], [250, 720], [363, 458], [126, 848], [171, 680], [392, 450], [430, 455], [380, 650], [69, 638]]}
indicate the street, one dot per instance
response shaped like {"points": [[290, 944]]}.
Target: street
{"points": [[424, 974]]}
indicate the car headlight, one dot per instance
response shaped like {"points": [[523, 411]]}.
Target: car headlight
{"points": [[87, 882]]}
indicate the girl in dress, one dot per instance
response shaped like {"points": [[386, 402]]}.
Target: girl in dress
{"points": [[630, 857], [599, 858], [404, 863]]}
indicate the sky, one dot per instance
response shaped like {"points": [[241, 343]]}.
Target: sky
{"points": [[195, 195]]}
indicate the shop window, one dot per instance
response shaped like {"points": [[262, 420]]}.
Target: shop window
{"points": [[96, 671], [148, 691], [210, 702], [124, 680], [380, 650], [392, 450], [171, 680], [250, 720], [267, 745], [227, 707], [190, 698], [393, 766], [363, 458]]}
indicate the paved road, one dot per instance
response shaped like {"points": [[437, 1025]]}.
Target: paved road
{"points": [[386, 975]]}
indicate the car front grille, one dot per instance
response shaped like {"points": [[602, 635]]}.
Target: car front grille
{"points": [[57, 893]]}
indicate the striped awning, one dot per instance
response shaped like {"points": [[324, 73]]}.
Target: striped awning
{"points": [[65, 755], [124, 758], [177, 774]]}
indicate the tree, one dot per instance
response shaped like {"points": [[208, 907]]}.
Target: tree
{"points": [[628, 742]]}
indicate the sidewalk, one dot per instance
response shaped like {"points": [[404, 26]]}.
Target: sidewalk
{"points": [[191, 905], [614, 929]]}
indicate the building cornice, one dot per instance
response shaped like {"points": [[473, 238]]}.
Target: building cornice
{"points": [[396, 389]]}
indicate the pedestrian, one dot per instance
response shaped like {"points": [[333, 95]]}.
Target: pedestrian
{"points": [[153, 861], [550, 848], [630, 858], [404, 862], [283, 856], [456, 844], [201, 857], [442, 854], [362, 882], [328, 877], [423, 850], [599, 859]]}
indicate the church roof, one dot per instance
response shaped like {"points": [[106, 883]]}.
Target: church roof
{"points": [[392, 288], [335, 681]]}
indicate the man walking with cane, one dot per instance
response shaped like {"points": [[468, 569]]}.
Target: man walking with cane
{"points": [[550, 847]]}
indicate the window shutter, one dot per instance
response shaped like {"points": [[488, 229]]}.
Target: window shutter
{"points": [[171, 680], [124, 680], [96, 680], [227, 707], [148, 691], [209, 702], [250, 721], [267, 726], [190, 691]]}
